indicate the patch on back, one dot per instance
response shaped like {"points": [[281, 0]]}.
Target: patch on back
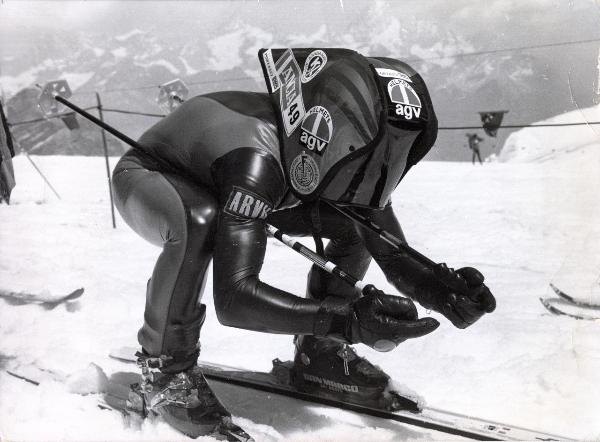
{"points": [[242, 202]]}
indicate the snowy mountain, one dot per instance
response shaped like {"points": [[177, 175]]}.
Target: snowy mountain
{"points": [[51, 136], [223, 55]]}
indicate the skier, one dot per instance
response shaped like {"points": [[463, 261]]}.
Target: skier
{"points": [[345, 129], [474, 141]]}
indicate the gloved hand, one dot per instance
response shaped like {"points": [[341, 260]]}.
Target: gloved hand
{"points": [[462, 297], [378, 320]]}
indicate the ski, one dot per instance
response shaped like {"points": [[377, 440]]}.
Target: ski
{"points": [[572, 300], [429, 418], [561, 307], [44, 300], [27, 379], [123, 395], [117, 397]]}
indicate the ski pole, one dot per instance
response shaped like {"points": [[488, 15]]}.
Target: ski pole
{"points": [[445, 275], [328, 266], [321, 262], [100, 123], [385, 235], [60, 91], [54, 90]]}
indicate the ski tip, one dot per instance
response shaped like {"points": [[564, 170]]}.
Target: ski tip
{"points": [[548, 306], [74, 294], [560, 293]]}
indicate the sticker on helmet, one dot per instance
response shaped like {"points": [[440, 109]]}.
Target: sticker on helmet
{"points": [[271, 70], [284, 76], [391, 73], [315, 61], [304, 174], [317, 129], [408, 103]]}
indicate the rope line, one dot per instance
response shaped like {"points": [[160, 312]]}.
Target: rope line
{"points": [[147, 114], [121, 111], [520, 126]]}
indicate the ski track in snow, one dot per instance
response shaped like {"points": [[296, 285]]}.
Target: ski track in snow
{"points": [[519, 365]]}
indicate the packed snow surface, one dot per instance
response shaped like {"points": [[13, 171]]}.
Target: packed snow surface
{"points": [[546, 143], [574, 152], [516, 222]]}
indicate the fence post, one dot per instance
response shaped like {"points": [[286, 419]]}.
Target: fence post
{"points": [[24, 152], [112, 205]]}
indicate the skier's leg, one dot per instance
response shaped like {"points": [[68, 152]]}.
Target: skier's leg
{"points": [[345, 248], [179, 217], [323, 361]]}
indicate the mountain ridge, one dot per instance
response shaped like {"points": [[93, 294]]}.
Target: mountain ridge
{"points": [[124, 68]]}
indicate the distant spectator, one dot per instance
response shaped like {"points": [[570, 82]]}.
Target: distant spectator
{"points": [[474, 141]]}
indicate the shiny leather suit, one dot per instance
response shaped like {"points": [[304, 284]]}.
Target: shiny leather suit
{"points": [[207, 180]]}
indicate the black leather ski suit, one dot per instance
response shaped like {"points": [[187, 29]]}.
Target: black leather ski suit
{"points": [[208, 180]]}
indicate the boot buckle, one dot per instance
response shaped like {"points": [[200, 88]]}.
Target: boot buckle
{"points": [[345, 355]]}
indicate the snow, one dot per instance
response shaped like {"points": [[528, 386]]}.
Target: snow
{"points": [[189, 70], [11, 84], [129, 34], [77, 79], [225, 49], [119, 52], [575, 149], [164, 63], [545, 143], [516, 221]]}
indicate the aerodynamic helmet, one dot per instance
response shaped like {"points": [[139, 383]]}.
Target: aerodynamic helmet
{"points": [[350, 126]]}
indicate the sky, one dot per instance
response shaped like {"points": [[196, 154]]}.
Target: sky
{"points": [[489, 25], [515, 20]]}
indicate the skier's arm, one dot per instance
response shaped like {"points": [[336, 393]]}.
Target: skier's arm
{"points": [[247, 180], [420, 283], [250, 185]]}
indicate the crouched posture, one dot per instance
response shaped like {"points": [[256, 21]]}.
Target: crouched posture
{"points": [[345, 129]]}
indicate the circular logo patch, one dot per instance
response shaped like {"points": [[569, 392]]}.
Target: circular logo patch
{"points": [[317, 129], [406, 100], [304, 174], [402, 92], [315, 61]]}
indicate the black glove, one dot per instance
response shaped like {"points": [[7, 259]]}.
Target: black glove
{"points": [[461, 296], [378, 320]]}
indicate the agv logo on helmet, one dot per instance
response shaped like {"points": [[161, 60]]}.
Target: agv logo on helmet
{"points": [[402, 94], [317, 129]]}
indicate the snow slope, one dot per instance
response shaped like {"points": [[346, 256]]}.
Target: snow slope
{"points": [[519, 365], [575, 152], [548, 143]]}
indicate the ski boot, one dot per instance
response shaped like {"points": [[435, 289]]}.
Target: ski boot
{"points": [[184, 400], [329, 368]]}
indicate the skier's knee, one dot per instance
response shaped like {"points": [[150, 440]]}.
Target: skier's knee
{"points": [[203, 215]]}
